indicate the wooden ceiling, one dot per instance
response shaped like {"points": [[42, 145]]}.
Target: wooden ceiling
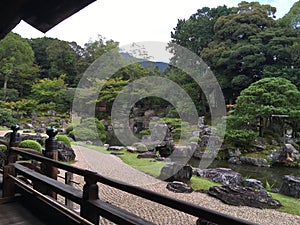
{"points": [[41, 14]]}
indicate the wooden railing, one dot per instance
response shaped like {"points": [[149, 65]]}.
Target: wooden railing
{"points": [[91, 207]]}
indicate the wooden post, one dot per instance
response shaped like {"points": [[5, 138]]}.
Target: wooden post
{"points": [[52, 153], [90, 192], [68, 180], [14, 141], [8, 183]]}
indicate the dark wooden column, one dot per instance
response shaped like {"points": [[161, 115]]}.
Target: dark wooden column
{"points": [[51, 151], [90, 192]]}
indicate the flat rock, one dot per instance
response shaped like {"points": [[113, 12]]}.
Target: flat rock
{"points": [[115, 148], [147, 155], [179, 187], [241, 196], [221, 175]]}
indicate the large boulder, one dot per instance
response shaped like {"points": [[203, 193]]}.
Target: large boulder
{"points": [[260, 162], [176, 172], [254, 184], [285, 155], [221, 175], [242, 196], [290, 186], [65, 153]]}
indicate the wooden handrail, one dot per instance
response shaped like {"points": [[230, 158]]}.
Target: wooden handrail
{"points": [[186, 207]]}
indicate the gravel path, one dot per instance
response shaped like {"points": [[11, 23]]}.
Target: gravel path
{"points": [[112, 166]]}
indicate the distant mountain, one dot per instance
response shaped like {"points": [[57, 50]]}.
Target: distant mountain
{"points": [[160, 65]]}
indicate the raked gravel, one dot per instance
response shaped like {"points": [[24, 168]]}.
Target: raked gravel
{"points": [[111, 166]]}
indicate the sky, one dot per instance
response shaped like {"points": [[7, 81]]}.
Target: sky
{"points": [[132, 20]]}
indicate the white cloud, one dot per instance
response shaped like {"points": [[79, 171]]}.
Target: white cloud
{"points": [[132, 20]]}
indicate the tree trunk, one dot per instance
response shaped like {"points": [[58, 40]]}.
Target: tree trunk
{"points": [[5, 87]]}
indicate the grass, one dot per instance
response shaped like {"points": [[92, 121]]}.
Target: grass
{"points": [[147, 166], [97, 148], [202, 184], [290, 205]]}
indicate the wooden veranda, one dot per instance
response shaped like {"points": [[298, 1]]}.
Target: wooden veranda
{"points": [[30, 188]]}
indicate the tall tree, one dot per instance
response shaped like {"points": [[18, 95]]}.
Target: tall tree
{"points": [[16, 62], [196, 32], [264, 100]]}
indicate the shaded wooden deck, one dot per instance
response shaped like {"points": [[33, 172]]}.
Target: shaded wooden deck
{"points": [[14, 213]]}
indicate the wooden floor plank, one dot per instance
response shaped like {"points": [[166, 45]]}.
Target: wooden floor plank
{"points": [[14, 213]]}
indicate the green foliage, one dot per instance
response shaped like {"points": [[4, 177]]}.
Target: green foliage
{"points": [[89, 129], [196, 32], [64, 138], [25, 107], [145, 132], [195, 139], [54, 124], [202, 184], [12, 95], [262, 99], [140, 147], [47, 90], [16, 64], [34, 145], [69, 128], [179, 128], [240, 138], [7, 118], [290, 205], [3, 148]]}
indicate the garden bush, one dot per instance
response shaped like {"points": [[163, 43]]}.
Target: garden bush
{"points": [[3, 148], [89, 129], [64, 139], [34, 145]]}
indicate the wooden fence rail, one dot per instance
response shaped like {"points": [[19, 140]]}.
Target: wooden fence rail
{"points": [[91, 207]]}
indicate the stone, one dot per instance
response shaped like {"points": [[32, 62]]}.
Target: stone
{"points": [[146, 155], [254, 184], [131, 149], [242, 196], [176, 172], [159, 132], [117, 153], [254, 161], [181, 153], [234, 160], [37, 137], [65, 153], [115, 148], [284, 155], [234, 153], [290, 186], [179, 187], [221, 175]]}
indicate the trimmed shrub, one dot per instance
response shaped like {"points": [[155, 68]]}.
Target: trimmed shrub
{"points": [[3, 148], [69, 128], [141, 148], [34, 145], [64, 139], [89, 129]]}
